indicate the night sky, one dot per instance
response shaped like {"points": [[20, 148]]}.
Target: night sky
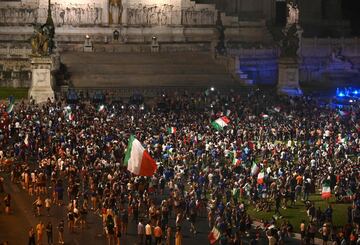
{"points": [[351, 11]]}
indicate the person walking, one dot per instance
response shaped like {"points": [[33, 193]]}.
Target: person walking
{"points": [[168, 235], [40, 231], [48, 205], [157, 234], [61, 232], [7, 201], [140, 232], [31, 236], [38, 203], [178, 236], [49, 233], [148, 234]]}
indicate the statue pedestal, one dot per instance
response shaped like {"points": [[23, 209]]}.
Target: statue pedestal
{"points": [[41, 86], [288, 80], [88, 46]]}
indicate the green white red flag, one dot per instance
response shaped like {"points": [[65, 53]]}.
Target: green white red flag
{"points": [[171, 130], [254, 169], [220, 123], [214, 235], [10, 107], [138, 160], [100, 108], [260, 178], [326, 190]]}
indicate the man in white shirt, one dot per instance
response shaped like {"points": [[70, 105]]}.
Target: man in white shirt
{"points": [[140, 232]]}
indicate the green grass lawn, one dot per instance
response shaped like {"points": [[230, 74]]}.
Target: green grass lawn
{"points": [[298, 212], [18, 93]]}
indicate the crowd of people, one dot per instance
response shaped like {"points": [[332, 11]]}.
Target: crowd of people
{"points": [[274, 153]]}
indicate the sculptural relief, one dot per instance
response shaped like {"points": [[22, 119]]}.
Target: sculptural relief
{"points": [[167, 14], [115, 11], [293, 13], [191, 16], [289, 44], [71, 14]]}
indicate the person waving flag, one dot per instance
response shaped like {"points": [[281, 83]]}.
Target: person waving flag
{"points": [[138, 160], [220, 123]]}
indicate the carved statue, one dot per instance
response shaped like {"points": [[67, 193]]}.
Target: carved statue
{"points": [[289, 44], [115, 9], [42, 42], [293, 13], [336, 55]]}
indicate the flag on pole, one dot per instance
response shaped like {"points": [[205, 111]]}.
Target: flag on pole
{"points": [[26, 140], [277, 109], [344, 113], [100, 108], [264, 116], [171, 130], [326, 190], [214, 235], [138, 160], [69, 116], [10, 107], [220, 123], [260, 178], [236, 161], [254, 169]]}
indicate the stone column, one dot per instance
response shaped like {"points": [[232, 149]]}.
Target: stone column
{"points": [[288, 80], [105, 12], [41, 84]]}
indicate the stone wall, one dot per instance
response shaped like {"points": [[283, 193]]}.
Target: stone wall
{"points": [[104, 12], [15, 72]]}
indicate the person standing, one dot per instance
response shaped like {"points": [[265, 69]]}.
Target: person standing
{"points": [[47, 205], [49, 233], [148, 233], [31, 236], [178, 236], [61, 232], [168, 235], [140, 232], [40, 231], [38, 204], [302, 231], [7, 201], [157, 234]]}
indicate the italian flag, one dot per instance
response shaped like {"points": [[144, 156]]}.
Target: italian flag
{"points": [[326, 190], [171, 130], [26, 140], [100, 108], [138, 160], [264, 116], [236, 161], [220, 123], [260, 178], [344, 113], [254, 169], [277, 109], [10, 107], [69, 116], [214, 235]]}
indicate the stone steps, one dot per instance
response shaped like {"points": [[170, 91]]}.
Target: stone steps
{"points": [[130, 70]]}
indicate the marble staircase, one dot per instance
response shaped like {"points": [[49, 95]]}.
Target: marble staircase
{"points": [[195, 70]]}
